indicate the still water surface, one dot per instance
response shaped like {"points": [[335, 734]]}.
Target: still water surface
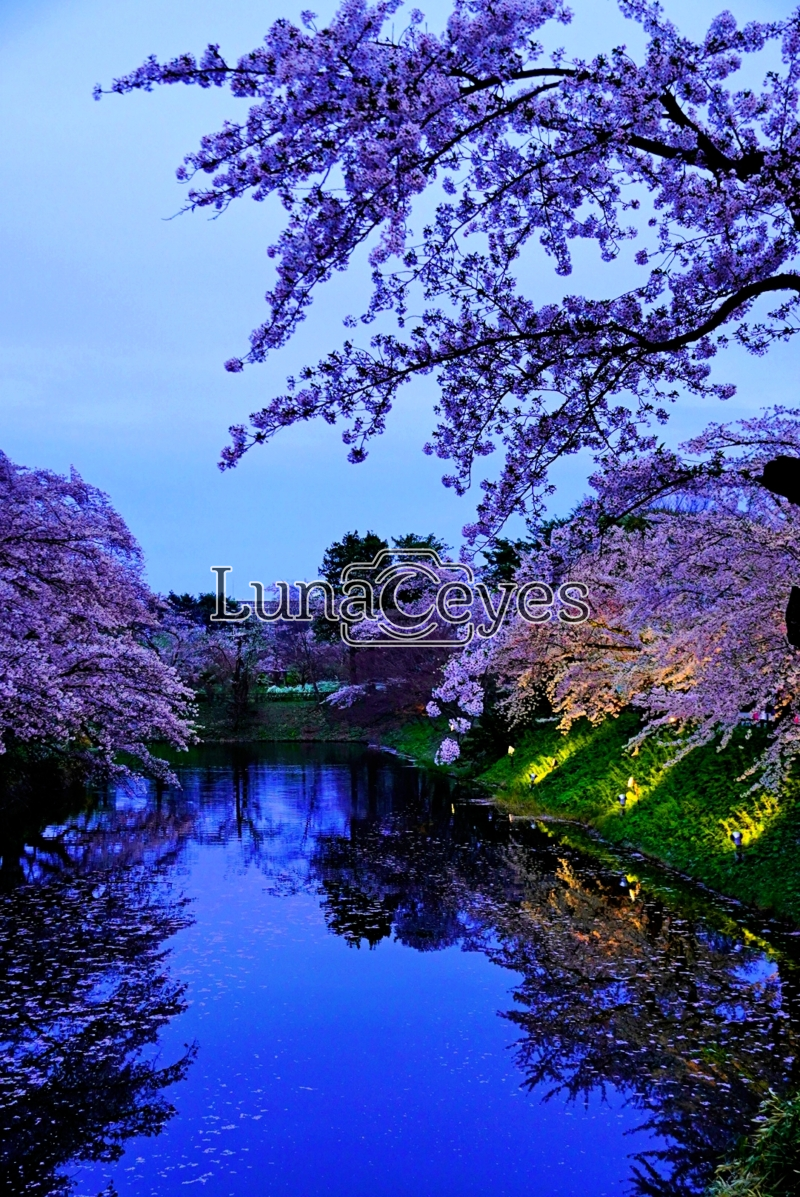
{"points": [[314, 971]]}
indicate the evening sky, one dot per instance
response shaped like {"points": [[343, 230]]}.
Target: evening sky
{"points": [[115, 320]]}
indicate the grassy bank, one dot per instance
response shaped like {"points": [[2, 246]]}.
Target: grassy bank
{"points": [[768, 1163], [297, 720], [682, 815], [291, 719], [418, 739]]}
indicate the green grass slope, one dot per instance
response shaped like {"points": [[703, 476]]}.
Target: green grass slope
{"points": [[299, 719], [682, 815], [419, 739]]}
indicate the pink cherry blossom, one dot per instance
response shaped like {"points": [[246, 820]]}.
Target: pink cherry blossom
{"points": [[671, 161], [78, 668], [448, 752], [689, 562]]}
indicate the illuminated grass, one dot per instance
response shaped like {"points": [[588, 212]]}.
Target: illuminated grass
{"points": [[682, 815]]}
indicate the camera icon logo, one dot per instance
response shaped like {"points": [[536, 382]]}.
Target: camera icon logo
{"points": [[407, 597]]}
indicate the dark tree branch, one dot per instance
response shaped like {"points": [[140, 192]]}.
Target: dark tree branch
{"points": [[778, 282]]}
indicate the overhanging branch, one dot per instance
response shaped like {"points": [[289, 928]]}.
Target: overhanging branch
{"points": [[778, 282]]}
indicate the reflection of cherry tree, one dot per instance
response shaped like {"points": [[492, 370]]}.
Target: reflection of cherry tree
{"points": [[407, 894], [84, 994], [276, 825], [615, 990], [115, 837]]}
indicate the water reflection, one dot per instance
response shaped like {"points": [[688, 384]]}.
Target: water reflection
{"points": [[626, 992], [622, 981], [689, 1019], [84, 993]]}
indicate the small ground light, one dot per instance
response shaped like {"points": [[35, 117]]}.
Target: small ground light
{"points": [[631, 783], [510, 750], [623, 798], [736, 836], [623, 882], [532, 779]]}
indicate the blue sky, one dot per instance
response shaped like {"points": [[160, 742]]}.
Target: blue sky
{"points": [[115, 321]]}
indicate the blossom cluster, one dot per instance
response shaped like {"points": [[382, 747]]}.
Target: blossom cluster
{"points": [[77, 665], [667, 160], [690, 563]]}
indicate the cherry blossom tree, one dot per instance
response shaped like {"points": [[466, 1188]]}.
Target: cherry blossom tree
{"points": [[670, 161], [77, 669], [689, 562]]}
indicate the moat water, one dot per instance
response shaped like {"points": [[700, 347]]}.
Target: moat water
{"points": [[314, 971]]}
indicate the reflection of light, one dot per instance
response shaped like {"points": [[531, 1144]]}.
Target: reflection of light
{"points": [[755, 941], [630, 882]]}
